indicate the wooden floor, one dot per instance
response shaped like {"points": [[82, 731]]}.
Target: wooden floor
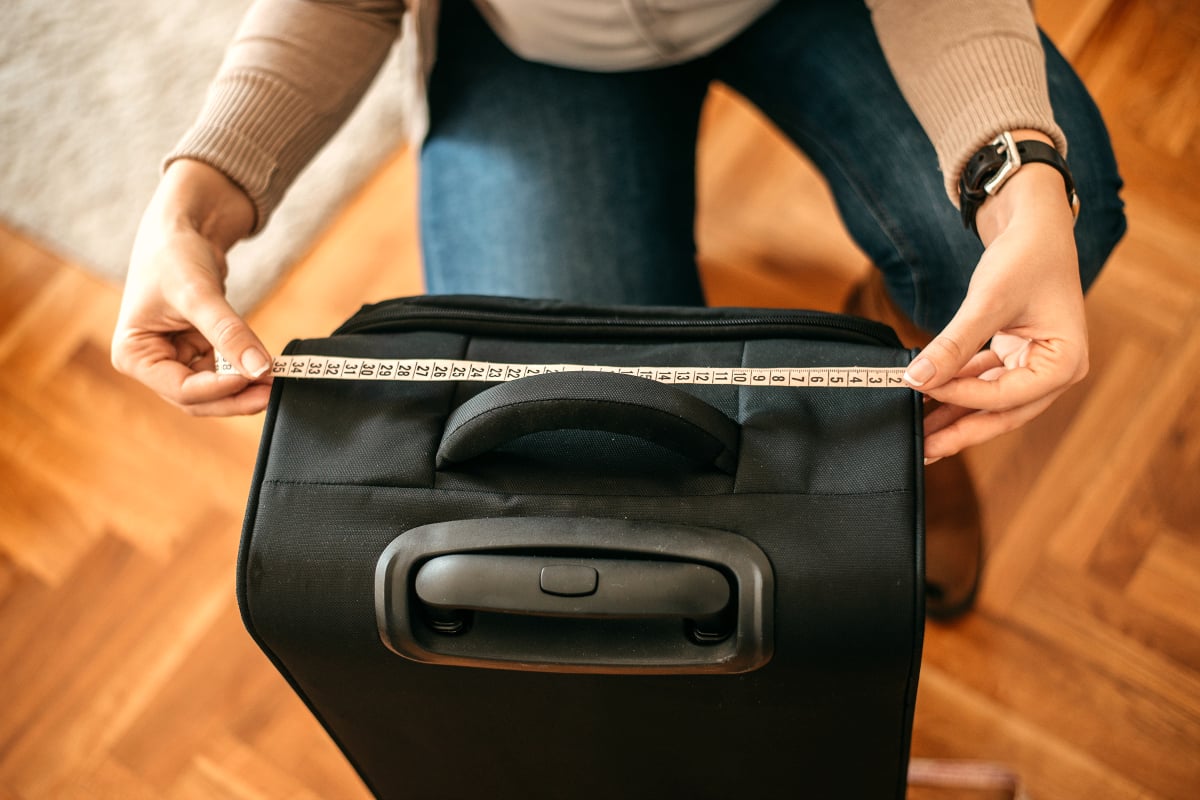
{"points": [[124, 670]]}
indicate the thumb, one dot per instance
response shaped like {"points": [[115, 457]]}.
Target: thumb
{"points": [[941, 359], [217, 322]]}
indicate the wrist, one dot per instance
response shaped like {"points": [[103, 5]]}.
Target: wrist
{"points": [[198, 197], [1034, 193], [991, 178]]}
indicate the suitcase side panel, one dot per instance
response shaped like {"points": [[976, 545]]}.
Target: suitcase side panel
{"points": [[845, 659]]}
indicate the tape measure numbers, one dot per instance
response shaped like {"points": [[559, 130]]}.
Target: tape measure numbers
{"points": [[443, 369]]}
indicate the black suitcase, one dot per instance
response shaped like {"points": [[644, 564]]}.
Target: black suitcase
{"points": [[495, 580]]}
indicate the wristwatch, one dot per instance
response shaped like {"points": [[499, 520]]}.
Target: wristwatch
{"points": [[996, 162]]}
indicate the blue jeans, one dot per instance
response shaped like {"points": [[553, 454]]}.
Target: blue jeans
{"points": [[539, 181]]}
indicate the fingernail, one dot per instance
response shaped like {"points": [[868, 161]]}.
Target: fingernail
{"points": [[254, 362], [919, 371], [929, 461]]}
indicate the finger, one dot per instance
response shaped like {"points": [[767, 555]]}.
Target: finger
{"points": [[985, 365], [952, 349], [204, 387], [1006, 352], [251, 400], [939, 416], [1051, 366], [217, 322], [184, 386], [192, 349], [979, 427], [189, 354], [1013, 351], [207, 363], [980, 363], [944, 416], [205, 393]]}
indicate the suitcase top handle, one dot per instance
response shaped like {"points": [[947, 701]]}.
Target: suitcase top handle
{"points": [[596, 401]]}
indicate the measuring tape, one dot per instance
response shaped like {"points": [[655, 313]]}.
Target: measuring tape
{"points": [[445, 369]]}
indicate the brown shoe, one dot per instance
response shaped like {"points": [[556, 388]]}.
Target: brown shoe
{"points": [[953, 528]]}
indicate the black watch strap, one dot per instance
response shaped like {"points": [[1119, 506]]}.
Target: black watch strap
{"points": [[990, 167]]}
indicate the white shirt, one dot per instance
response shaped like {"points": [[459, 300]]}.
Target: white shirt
{"points": [[610, 35]]}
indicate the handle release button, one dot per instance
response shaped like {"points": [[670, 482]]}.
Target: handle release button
{"points": [[569, 580]]}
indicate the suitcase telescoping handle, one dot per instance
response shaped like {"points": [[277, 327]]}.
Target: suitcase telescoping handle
{"points": [[597, 401], [576, 594], [595, 588]]}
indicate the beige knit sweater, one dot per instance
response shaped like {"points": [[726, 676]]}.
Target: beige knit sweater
{"points": [[296, 69]]}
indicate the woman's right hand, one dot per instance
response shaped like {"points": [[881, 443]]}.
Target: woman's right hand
{"points": [[174, 313]]}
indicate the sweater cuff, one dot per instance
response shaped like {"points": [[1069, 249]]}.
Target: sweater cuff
{"points": [[979, 89], [256, 130]]}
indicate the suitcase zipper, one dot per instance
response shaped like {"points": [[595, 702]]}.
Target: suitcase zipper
{"points": [[404, 314]]}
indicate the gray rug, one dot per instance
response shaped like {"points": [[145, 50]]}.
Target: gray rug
{"points": [[92, 95]]}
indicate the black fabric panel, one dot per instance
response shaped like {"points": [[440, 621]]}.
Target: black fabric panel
{"points": [[363, 431], [833, 698], [822, 440], [585, 463], [616, 354]]}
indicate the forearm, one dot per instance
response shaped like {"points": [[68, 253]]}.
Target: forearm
{"points": [[292, 75], [969, 70]]}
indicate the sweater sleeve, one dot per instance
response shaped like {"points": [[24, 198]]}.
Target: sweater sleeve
{"points": [[291, 76], [969, 70]]}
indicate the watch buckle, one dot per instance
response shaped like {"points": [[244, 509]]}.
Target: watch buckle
{"points": [[1005, 145]]}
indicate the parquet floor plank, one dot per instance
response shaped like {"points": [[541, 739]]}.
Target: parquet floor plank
{"points": [[1053, 613], [1167, 581], [1045, 505], [9, 577], [131, 645], [954, 720], [109, 780], [226, 768], [40, 534], [80, 460], [1071, 24], [45, 642], [211, 693], [1153, 506], [286, 740], [26, 270], [1132, 727], [1140, 58], [1133, 451]]}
